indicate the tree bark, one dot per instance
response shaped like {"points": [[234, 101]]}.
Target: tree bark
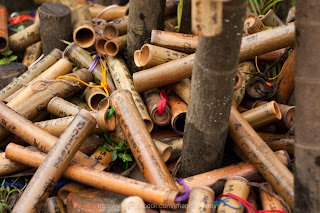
{"points": [[283, 9], [185, 24], [213, 78], [144, 16], [307, 90]]}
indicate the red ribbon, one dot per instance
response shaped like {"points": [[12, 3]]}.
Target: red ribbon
{"points": [[18, 19], [163, 102]]}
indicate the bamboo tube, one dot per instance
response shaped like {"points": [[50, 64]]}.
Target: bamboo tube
{"points": [[100, 43], [291, 15], [271, 136], [164, 150], [21, 40], [58, 159], [271, 19], [178, 112], [116, 45], [53, 205], [272, 56], [282, 144], [252, 198], [33, 72], [62, 108], [116, 27], [238, 186], [94, 96], [32, 54], [8, 167], [182, 89], [3, 28], [176, 143], [110, 14], [186, 43], [152, 98], [91, 144], [67, 189], [200, 200], [69, 3], [151, 55], [83, 32], [206, 17], [261, 155], [83, 60], [133, 204], [79, 102], [253, 24], [103, 157], [136, 58], [258, 88], [139, 140], [171, 7], [61, 67], [122, 79], [99, 179], [268, 201]]}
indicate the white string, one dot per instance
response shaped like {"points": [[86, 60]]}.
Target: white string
{"points": [[34, 63]]}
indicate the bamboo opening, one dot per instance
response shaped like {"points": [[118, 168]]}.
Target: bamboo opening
{"points": [[136, 58], [100, 42], [179, 122], [95, 100], [111, 48], [84, 37], [238, 81], [277, 110], [111, 32], [3, 43], [144, 56], [163, 119]]}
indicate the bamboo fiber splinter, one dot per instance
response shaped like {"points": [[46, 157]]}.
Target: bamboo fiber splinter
{"points": [[58, 159]]}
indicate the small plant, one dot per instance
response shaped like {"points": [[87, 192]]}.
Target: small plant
{"points": [[7, 57], [260, 7], [118, 150]]}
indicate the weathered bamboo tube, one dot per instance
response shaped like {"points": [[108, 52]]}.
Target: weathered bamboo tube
{"points": [[176, 145], [253, 24], [268, 201], [200, 200], [83, 60], [133, 204], [178, 113], [291, 15], [182, 89], [53, 205], [8, 167], [83, 32], [21, 40], [94, 96], [99, 179], [252, 198], [103, 157], [141, 144], [79, 102], [100, 42], [58, 159], [116, 45], [110, 14], [186, 43], [69, 3], [3, 28], [282, 144], [261, 156], [271, 136], [116, 27], [238, 186], [67, 189], [91, 144], [62, 108], [262, 115], [272, 56], [164, 150], [271, 19], [61, 67], [28, 76], [152, 98], [136, 58], [122, 79], [151, 55], [32, 53]]}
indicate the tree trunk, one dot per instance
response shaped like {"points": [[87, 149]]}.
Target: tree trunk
{"points": [[144, 16], [213, 78], [283, 9], [185, 24], [307, 90]]}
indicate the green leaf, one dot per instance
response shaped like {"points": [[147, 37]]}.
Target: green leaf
{"points": [[21, 27], [102, 149], [13, 58], [120, 155], [7, 52], [121, 143], [253, 6], [267, 7], [5, 205], [114, 155], [127, 157], [3, 61]]}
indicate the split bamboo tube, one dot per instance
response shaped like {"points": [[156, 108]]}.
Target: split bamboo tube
{"points": [[122, 78], [83, 60], [94, 97], [261, 156], [176, 144], [8, 167], [56, 162], [178, 113], [99, 179], [109, 14], [238, 186], [21, 40], [32, 54], [67, 189], [271, 19], [133, 204], [30, 74], [268, 201], [3, 28], [116, 28], [152, 98], [116, 45], [83, 32], [186, 43], [253, 24], [164, 150], [79, 102], [100, 42], [53, 205], [61, 67], [182, 89], [206, 17], [151, 55], [141, 144], [200, 200]]}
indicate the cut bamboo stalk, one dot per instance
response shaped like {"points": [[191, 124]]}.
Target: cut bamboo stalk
{"points": [[99, 179], [122, 78], [176, 145], [268, 201], [151, 55], [103, 157], [271, 19], [253, 24], [116, 27], [182, 89], [95, 97], [164, 150], [133, 204], [54, 204], [141, 144], [28, 76], [3, 28], [116, 45], [79, 102], [178, 113], [200, 200], [32, 54], [271, 136], [100, 43], [272, 56], [8, 167], [67, 189], [110, 14], [136, 58], [282, 144], [62, 108]]}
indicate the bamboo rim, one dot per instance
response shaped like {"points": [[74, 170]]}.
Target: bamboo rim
{"points": [[136, 58], [100, 42], [110, 31], [178, 122], [111, 48], [84, 36], [239, 80], [144, 55]]}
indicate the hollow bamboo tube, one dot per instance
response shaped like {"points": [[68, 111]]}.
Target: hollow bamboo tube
{"points": [[152, 98], [271, 19], [141, 144], [182, 89], [100, 42], [8, 167], [110, 14], [61, 67], [200, 200], [116, 28], [123, 80], [83, 60], [83, 32], [253, 24], [164, 150], [62, 108], [271, 136], [186, 43], [176, 144], [21, 40], [238, 186], [79, 102], [282, 144], [116, 45], [58, 159], [178, 113], [94, 96], [133, 204], [272, 56], [103, 157], [99, 179], [136, 58], [261, 156], [30, 74], [53, 205], [268, 201], [151, 55], [32, 54], [67, 189], [3, 28]]}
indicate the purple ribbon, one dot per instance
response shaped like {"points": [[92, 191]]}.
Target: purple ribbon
{"points": [[186, 195], [94, 64]]}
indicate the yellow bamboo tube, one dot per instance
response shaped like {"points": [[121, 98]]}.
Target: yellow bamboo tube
{"points": [[32, 53], [53, 205], [116, 45], [133, 204], [271, 19], [182, 89], [109, 14], [200, 200], [178, 113], [94, 97], [268, 201], [116, 27], [67, 189]]}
